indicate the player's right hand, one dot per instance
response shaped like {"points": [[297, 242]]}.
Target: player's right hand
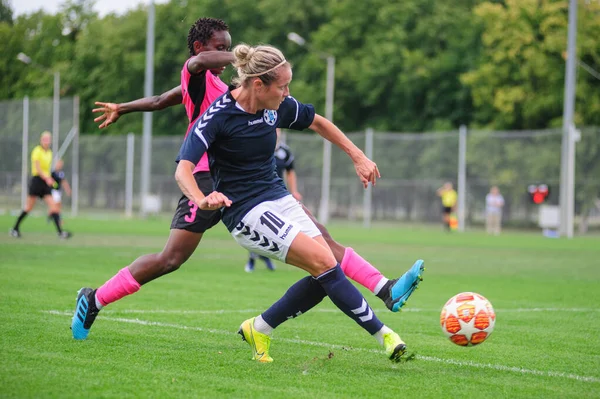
{"points": [[110, 113], [214, 201], [367, 171]]}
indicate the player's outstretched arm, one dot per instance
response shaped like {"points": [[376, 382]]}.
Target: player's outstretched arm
{"points": [[66, 186], [366, 169], [112, 111], [209, 60]]}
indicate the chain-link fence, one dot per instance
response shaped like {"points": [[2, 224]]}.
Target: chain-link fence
{"points": [[413, 166], [21, 123]]}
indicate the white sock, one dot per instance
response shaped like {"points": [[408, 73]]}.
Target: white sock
{"points": [[261, 326], [379, 334], [380, 285], [98, 304]]}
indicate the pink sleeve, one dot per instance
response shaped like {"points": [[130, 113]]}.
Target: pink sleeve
{"points": [[185, 80]]}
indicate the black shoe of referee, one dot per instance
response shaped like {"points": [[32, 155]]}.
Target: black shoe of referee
{"points": [[65, 234]]}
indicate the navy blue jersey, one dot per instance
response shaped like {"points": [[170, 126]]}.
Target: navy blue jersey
{"points": [[241, 149], [284, 159]]}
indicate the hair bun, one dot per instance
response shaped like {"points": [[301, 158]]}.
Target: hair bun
{"points": [[243, 54]]}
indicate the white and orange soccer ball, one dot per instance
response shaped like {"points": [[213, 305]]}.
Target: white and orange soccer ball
{"points": [[468, 319]]}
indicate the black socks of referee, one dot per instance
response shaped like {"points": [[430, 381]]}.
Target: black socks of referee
{"points": [[56, 218], [20, 219]]}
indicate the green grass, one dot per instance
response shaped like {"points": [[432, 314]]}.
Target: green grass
{"points": [[176, 337]]}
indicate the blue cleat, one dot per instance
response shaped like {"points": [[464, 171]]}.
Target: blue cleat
{"points": [[396, 292], [85, 313]]}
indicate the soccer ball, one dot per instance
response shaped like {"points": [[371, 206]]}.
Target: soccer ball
{"points": [[467, 319]]}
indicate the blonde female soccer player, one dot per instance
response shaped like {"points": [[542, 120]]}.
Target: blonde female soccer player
{"points": [[238, 131]]}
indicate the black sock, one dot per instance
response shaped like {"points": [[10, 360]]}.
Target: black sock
{"points": [[56, 218], [20, 219], [348, 299], [299, 298], [384, 292]]}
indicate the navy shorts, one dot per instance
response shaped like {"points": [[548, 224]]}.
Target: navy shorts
{"points": [[191, 218]]}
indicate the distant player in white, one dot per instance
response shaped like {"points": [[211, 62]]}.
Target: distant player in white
{"points": [[494, 202], [61, 182], [238, 133]]}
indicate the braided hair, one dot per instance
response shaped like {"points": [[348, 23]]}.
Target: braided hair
{"points": [[203, 29]]}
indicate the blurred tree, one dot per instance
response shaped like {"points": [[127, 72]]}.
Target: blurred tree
{"points": [[76, 15], [413, 65], [399, 63], [520, 82], [6, 12]]}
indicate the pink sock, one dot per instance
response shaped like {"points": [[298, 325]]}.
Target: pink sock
{"points": [[122, 284], [359, 270]]}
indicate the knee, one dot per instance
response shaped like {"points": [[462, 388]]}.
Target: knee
{"points": [[320, 263], [171, 261]]}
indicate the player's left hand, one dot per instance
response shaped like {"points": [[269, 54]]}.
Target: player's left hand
{"points": [[214, 201], [367, 171]]}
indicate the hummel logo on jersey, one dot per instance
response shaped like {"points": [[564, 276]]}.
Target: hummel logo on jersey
{"points": [[256, 122]]}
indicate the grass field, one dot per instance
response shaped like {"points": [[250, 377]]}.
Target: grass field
{"points": [[176, 336]]}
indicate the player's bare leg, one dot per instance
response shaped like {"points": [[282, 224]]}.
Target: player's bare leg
{"points": [[179, 247], [394, 293], [327, 278]]}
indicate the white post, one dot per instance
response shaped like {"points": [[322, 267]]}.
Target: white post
{"points": [[55, 117], [326, 178], [573, 138], [147, 127], [462, 176], [129, 175], [75, 160], [25, 151], [567, 171], [368, 193]]}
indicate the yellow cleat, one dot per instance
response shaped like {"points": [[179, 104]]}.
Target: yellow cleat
{"points": [[394, 346], [258, 341]]}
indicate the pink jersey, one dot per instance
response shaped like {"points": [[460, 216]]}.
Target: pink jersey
{"points": [[199, 91]]}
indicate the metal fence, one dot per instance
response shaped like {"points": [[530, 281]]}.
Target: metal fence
{"points": [[413, 166], [21, 123]]}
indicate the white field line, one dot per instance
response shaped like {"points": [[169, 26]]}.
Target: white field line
{"points": [[332, 310], [463, 363]]}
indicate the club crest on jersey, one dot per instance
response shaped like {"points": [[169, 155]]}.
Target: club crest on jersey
{"points": [[270, 117]]}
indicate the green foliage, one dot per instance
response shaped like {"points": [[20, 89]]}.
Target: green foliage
{"points": [[411, 65], [6, 12], [519, 82]]}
